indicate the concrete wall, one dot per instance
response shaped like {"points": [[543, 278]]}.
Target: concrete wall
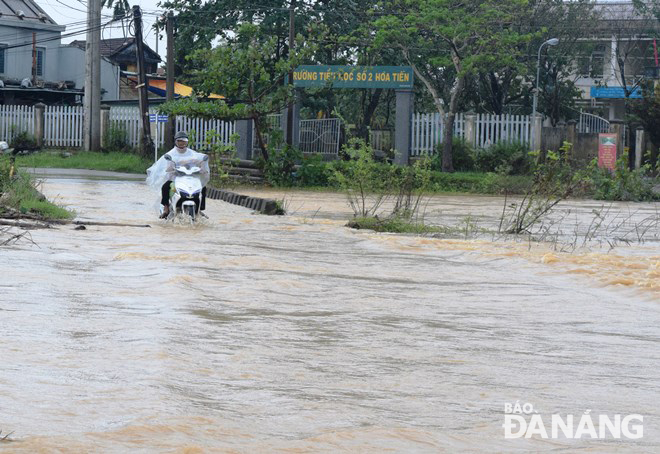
{"points": [[552, 138], [585, 146]]}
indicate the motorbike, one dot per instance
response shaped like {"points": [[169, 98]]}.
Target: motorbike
{"points": [[187, 194]]}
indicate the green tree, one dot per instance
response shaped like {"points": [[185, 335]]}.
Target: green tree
{"points": [[447, 41], [248, 73], [647, 111], [198, 24], [541, 19]]}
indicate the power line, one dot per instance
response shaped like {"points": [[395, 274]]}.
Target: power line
{"points": [[58, 37]]}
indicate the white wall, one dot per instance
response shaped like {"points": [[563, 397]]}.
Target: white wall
{"points": [[18, 60], [72, 67], [60, 62]]}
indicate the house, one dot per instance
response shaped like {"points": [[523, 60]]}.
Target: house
{"points": [[35, 66], [122, 52], [624, 43]]}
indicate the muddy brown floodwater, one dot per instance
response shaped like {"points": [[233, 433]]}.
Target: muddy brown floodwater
{"points": [[295, 334]]}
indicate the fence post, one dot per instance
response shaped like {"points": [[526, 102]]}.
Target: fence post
{"points": [[571, 132], [402, 128], [470, 129], [105, 125], [640, 141], [39, 123], [537, 132], [244, 142]]}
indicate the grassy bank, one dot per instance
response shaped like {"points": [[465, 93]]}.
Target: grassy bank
{"points": [[21, 195], [113, 161]]}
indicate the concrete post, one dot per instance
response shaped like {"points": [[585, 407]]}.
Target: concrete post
{"points": [[537, 129], [244, 143], [39, 124], [105, 125], [571, 132], [402, 128], [471, 129], [295, 131], [640, 142], [616, 127]]}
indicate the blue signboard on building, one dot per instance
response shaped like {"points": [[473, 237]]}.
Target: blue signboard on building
{"points": [[614, 93]]}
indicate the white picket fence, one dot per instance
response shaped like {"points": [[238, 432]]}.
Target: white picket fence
{"points": [[15, 119], [201, 131], [63, 126], [491, 129], [427, 130]]}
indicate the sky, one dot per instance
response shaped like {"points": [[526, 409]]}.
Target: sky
{"points": [[75, 12]]}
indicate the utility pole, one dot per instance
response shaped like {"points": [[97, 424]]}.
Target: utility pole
{"points": [[169, 81], [92, 102], [146, 144], [292, 38]]}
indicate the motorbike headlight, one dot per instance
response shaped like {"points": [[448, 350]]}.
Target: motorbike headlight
{"points": [[197, 192], [183, 193]]}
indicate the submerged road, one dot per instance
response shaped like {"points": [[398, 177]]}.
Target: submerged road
{"points": [[257, 334]]}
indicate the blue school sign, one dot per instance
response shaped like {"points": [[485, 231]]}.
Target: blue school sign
{"points": [[614, 93]]}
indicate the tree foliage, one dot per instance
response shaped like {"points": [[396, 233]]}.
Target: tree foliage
{"points": [[248, 73], [447, 41]]}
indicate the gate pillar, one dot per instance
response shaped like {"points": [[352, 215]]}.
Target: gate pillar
{"points": [[402, 126]]}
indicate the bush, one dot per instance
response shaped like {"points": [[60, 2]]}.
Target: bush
{"points": [[116, 139], [505, 158], [624, 184], [222, 157], [314, 171], [280, 168], [23, 141], [365, 181], [480, 183], [462, 158]]}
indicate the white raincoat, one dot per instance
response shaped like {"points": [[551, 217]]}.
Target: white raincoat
{"points": [[163, 170]]}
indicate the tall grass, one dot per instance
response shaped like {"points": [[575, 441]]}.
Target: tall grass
{"points": [[21, 194], [112, 161]]}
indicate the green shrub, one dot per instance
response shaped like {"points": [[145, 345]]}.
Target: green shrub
{"points": [[222, 157], [462, 157], [314, 171], [622, 184], [280, 168], [23, 141], [366, 182], [479, 183], [116, 138], [507, 158]]}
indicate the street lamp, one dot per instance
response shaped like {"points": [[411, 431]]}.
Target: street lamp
{"points": [[550, 42]]}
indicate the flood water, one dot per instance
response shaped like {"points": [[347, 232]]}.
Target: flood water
{"points": [[295, 334]]}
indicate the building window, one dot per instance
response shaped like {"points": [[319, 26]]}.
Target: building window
{"points": [[583, 64], [598, 62], [41, 52], [3, 54]]}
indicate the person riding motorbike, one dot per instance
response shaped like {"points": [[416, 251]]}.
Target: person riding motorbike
{"points": [[162, 173]]}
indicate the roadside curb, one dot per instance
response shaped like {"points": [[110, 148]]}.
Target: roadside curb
{"points": [[263, 206]]}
